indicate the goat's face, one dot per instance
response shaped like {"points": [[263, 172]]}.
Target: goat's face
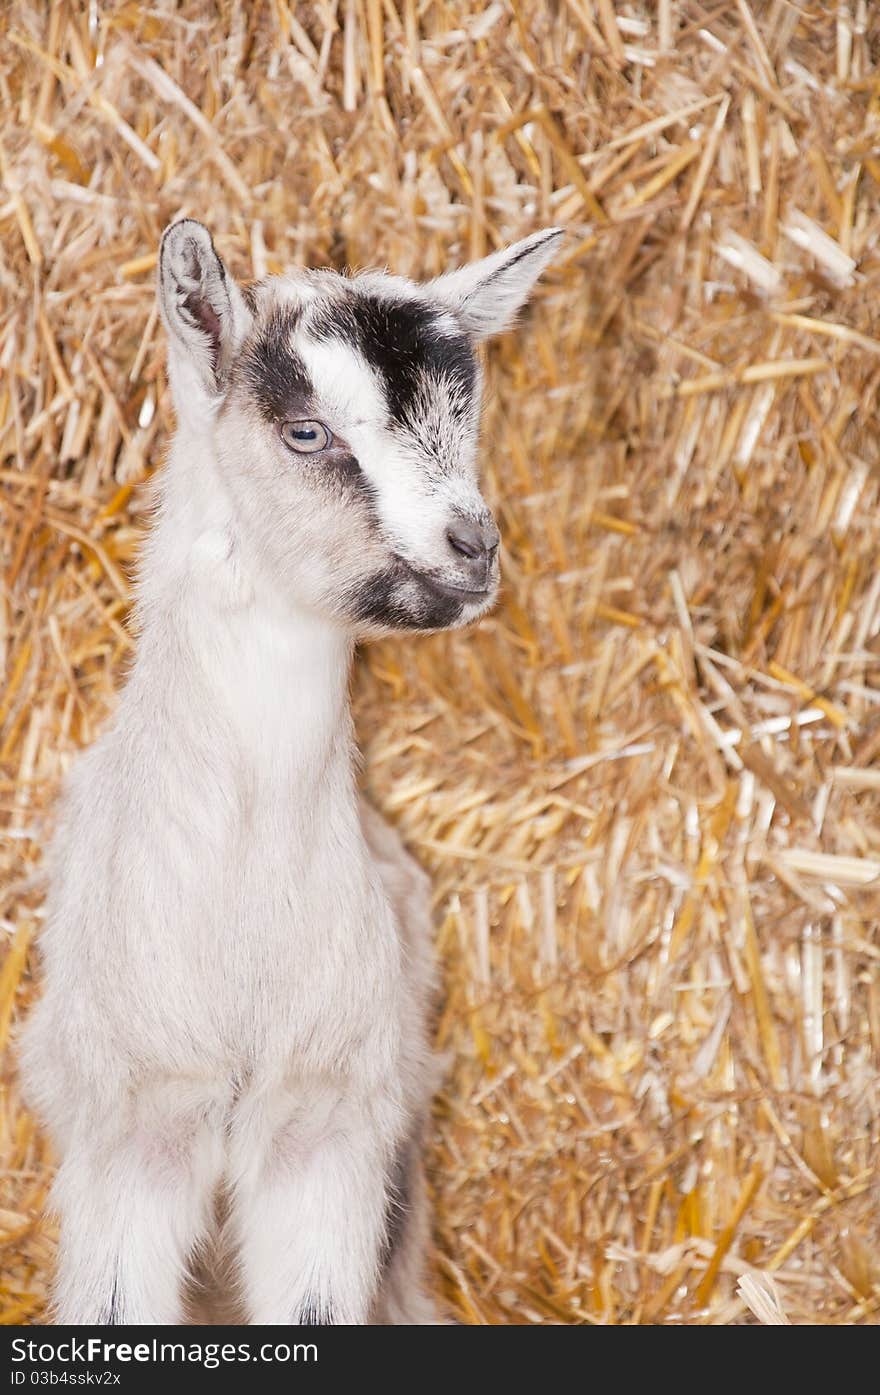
{"points": [[343, 417], [349, 437]]}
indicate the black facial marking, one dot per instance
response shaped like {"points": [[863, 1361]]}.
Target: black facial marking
{"points": [[404, 342], [273, 372], [376, 601], [394, 599], [338, 471], [344, 468], [315, 1314]]}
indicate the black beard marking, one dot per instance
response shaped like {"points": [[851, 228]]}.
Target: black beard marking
{"points": [[379, 601]]}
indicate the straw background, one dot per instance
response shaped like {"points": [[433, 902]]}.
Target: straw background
{"points": [[646, 787]]}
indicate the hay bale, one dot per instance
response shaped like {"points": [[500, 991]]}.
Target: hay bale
{"points": [[646, 788]]}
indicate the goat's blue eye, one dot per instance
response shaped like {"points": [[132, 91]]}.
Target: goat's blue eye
{"points": [[305, 437]]}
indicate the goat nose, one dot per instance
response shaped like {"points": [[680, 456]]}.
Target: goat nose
{"points": [[473, 540]]}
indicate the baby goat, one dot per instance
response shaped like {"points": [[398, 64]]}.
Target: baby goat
{"points": [[237, 959]]}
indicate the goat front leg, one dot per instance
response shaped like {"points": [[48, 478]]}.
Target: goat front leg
{"points": [[132, 1204], [309, 1208]]}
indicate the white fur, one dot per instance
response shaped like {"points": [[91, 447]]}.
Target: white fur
{"points": [[236, 954]]}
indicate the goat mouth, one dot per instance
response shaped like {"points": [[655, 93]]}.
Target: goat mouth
{"points": [[468, 595]]}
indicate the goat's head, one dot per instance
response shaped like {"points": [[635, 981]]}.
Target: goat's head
{"points": [[342, 414]]}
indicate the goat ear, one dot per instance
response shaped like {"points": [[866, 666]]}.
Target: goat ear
{"points": [[203, 309], [487, 295]]}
